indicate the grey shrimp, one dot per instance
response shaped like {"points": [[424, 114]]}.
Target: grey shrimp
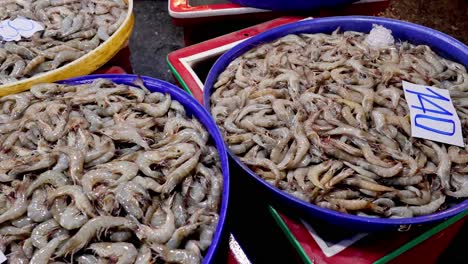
{"points": [[92, 228], [44, 254], [76, 192], [123, 253], [161, 234], [38, 208], [19, 206]]}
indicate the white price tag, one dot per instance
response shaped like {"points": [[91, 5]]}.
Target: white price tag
{"points": [[329, 248], [2, 257], [14, 30], [433, 115]]}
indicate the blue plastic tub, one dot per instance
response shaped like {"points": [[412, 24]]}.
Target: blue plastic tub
{"points": [[288, 5], [443, 44], [192, 107]]}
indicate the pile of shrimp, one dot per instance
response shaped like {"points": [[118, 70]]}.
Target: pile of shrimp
{"points": [[72, 29], [105, 172], [323, 117]]}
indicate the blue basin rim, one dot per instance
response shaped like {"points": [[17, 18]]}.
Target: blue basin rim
{"points": [[441, 43]]}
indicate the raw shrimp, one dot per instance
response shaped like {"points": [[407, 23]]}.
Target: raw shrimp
{"points": [[158, 111], [42, 231], [460, 183], [28, 248], [103, 153], [339, 177], [216, 187], [38, 210], [78, 196], [32, 163], [94, 177], [367, 185], [344, 194], [144, 255], [456, 156], [44, 254], [19, 206], [126, 133], [87, 259], [91, 229], [409, 180], [181, 233], [125, 169], [72, 218], [177, 175], [82, 166], [207, 232], [163, 233], [399, 212], [356, 115], [181, 256], [127, 195], [120, 236], [76, 158], [120, 252], [429, 208], [443, 170], [16, 231], [22, 221], [314, 172], [265, 163], [17, 255]]}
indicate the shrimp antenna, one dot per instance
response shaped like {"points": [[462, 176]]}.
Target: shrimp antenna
{"points": [[140, 83]]}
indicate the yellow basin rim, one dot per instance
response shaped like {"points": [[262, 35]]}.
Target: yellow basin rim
{"points": [[84, 65]]}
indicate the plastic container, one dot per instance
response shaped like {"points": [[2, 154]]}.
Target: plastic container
{"points": [[442, 44], [288, 5], [84, 65], [192, 107]]}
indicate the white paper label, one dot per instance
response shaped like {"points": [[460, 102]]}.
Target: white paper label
{"points": [[2, 257], [330, 249], [433, 115], [14, 30]]}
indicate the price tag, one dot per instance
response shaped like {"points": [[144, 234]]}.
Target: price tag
{"points": [[14, 30], [433, 115], [2, 257]]}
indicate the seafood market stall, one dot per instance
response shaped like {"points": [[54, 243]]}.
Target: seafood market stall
{"points": [[299, 132]]}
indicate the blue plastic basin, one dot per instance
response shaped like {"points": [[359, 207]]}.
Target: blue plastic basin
{"points": [[443, 44], [288, 5], [193, 108]]}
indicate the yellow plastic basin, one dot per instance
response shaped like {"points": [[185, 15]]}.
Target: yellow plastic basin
{"points": [[84, 65]]}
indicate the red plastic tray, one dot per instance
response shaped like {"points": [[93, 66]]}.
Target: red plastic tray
{"points": [[412, 245], [182, 61], [183, 13]]}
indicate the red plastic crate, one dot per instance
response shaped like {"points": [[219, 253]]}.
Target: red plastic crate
{"points": [[184, 13], [414, 245]]}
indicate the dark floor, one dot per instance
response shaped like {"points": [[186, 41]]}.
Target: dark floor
{"points": [[153, 38]]}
